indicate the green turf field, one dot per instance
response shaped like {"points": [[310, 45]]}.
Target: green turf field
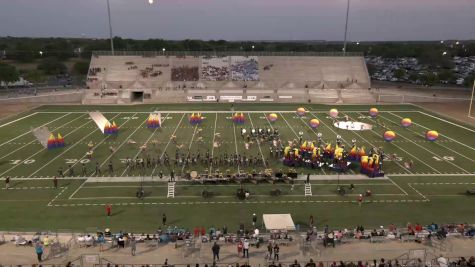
{"points": [[432, 190]]}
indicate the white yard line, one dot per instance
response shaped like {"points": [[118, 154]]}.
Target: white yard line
{"points": [[124, 142], [408, 139], [212, 143], [235, 144], [19, 119], [168, 143], [258, 143], [420, 194], [329, 127], [77, 190], [27, 132], [400, 188], [400, 148], [6, 155], [369, 143], [41, 150], [146, 142], [220, 111], [446, 121], [69, 148], [420, 125], [189, 147]]}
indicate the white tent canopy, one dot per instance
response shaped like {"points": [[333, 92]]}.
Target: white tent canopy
{"points": [[278, 222]]}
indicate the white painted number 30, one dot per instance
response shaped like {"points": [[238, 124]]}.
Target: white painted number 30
{"points": [[74, 161]]}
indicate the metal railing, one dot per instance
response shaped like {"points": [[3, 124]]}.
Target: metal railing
{"points": [[224, 53]]}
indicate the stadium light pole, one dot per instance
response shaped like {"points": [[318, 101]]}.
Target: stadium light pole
{"points": [[346, 25], [110, 24]]}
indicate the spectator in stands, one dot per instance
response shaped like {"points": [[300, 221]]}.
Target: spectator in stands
{"points": [[442, 261], [310, 264], [133, 245], [295, 264]]}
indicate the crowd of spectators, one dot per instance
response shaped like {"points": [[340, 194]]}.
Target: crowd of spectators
{"points": [[244, 69], [215, 69], [185, 73]]}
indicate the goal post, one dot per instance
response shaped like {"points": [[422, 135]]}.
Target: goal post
{"points": [[470, 109]]}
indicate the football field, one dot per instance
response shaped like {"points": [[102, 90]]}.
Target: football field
{"points": [[432, 189]]}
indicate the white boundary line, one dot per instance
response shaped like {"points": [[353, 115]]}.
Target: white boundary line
{"points": [[438, 143], [222, 111], [77, 189], [69, 148], [212, 143], [417, 191], [424, 147], [420, 125], [27, 132], [400, 148], [41, 150], [446, 121], [24, 117], [27, 144]]}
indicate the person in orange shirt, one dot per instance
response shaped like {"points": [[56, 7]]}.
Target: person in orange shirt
{"points": [[108, 210]]}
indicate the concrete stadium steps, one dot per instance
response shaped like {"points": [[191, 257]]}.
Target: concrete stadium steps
{"points": [[357, 96]]}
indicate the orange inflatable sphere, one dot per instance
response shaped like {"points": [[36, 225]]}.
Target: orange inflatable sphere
{"points": [[272, 117], [406, 122], [373, 112], [432, 135], [333, 112]]}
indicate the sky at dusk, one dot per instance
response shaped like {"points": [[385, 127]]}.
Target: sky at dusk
{"points": [[376, 20]]}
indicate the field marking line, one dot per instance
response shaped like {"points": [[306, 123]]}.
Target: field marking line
{"points": [[407, 152], [398, 186], [71, 147], [423, 196], [424, 147], [168, 143], [125, 141], [19, 119], [27, 132], [258, 142], [41, 150], [100, 142], [77, 189], [221, 111], [56, 197], [330, 128], [189, 147], [212, 143], [438, 143], [235, 144], [146, 142], [27, 144], [229, 185], [420, 125], [446, 121], [371, 144]]}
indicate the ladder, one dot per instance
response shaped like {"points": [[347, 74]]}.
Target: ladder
{"points": [[171, 190], [308, 189]]}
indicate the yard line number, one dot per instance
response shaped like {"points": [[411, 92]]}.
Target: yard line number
{"points": [[20, 161], [447, 158]]}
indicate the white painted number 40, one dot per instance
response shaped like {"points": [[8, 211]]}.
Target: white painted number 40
{"points": [[447, 158]]}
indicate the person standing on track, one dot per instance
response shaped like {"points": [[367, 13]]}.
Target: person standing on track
{"points": [[164, 219], [108, 210], [55, 182], [7, 182], [111, 168]]}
